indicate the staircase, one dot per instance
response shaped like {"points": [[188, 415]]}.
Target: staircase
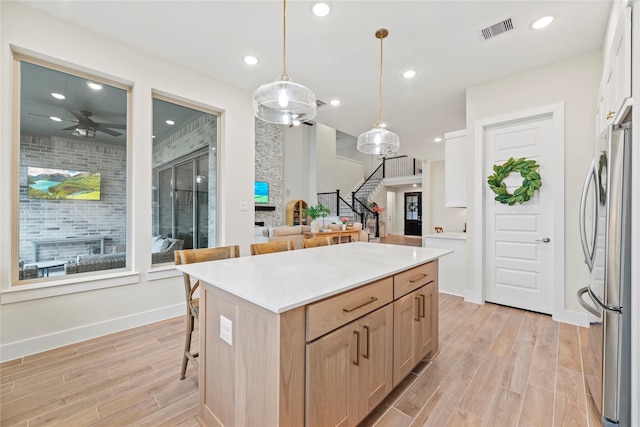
{"points": [[358, 207]]}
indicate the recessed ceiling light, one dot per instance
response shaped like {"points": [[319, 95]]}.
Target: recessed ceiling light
{"points": [[55, 119], [170, 122], [437, 139], [383, 125], [415, 185], [334, 102], [321, 9], [251, 60], [57, 95], [94, 86], [409, 74], [542, 22], [296, 123]]}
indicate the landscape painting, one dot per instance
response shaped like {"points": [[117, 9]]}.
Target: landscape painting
{"points": [[45, 183]]}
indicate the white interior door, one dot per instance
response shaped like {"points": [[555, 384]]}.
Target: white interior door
{"points": [[520, 250], [391, 206]]}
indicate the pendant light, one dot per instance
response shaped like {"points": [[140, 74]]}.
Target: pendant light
{"points": [[379, 140], [283, 101]]}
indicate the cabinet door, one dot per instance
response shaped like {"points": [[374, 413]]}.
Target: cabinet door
{"points": [[405, 321], [376, 357], [617, 75], [332, 378], [427, 330], [455, 175]]}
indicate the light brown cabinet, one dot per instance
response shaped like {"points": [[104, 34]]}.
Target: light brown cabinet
{"points": [[415, 329], [349, 371], [294, 212]]}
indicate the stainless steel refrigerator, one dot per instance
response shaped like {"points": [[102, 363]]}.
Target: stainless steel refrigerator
{"points": [[605, 229]]}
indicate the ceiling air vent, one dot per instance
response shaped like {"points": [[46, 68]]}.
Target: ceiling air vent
{"points": [[495, 29]]}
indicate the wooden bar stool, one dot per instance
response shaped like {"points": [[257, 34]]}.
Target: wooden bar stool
{"points": [[188, 256], [270, 247], [316, 241]]}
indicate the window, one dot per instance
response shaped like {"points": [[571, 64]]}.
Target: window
{"points": [[184, 179], [73, 163]]}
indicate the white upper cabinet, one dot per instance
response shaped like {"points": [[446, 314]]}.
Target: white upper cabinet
{"points": [[455, 169], [615, 89]]}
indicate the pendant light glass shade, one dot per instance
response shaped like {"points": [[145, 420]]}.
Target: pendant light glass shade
{"points": [[379, 140], [283, 101]]}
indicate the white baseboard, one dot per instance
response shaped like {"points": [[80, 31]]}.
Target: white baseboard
{"points": [[59, 339], [572, 317]]}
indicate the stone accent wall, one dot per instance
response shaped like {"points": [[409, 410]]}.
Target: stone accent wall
{"points": [[269, 168], [44, 219], [199, 134]]}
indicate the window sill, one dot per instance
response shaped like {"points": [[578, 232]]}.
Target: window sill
{"points": [[163, 272], [28, 292]]}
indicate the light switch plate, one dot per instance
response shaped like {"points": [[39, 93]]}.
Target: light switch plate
{"points": [[226, 330]]}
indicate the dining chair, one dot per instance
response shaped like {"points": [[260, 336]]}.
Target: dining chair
{"points": [[270, 247], [314, 242], [188, 256]]}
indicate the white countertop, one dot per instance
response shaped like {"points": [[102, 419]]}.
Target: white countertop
{"points": [[286, 280], [449, 235]]}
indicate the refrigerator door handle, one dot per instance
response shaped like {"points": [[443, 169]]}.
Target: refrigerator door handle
{"points": [[585, 305], [589, 253], [601, 304]]}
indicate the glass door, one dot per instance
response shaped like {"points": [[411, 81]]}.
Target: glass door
{"points": [[413, 214]]}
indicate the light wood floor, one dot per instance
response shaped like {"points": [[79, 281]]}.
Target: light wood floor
{"points": [[497, 366], [394, 239]]}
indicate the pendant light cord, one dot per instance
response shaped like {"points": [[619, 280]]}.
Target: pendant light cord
{"points": [[284, 76], [380, 92]]}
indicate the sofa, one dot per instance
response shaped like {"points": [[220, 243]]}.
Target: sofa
{"points": [[296, 233], [118, 259]]}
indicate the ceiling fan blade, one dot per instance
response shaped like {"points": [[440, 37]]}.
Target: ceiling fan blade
{"points": [[108, 131], [111, 125], [71, 127], [78, 116]]}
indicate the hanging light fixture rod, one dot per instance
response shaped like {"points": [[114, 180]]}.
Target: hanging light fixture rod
{"points": [[381, 34], [283, 101], [379, 140]]}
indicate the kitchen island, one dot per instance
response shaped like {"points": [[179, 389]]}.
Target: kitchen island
{"points": [[312, 337]]}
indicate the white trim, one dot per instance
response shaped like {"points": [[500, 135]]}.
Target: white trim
{"points": [[70, 336], [163, 273], [572, 317], [49, 289], [477, 293]]}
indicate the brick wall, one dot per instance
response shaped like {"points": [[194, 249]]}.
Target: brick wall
{"points": [[44, 219]]}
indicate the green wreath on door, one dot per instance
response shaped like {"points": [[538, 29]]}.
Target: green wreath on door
{"points": [[530, 181]]}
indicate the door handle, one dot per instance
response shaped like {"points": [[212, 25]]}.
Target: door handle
{"points": [[544, 240], [589, 253], [584, 304]]}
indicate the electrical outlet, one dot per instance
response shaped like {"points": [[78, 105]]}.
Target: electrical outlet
{"points": [[226, 330]]}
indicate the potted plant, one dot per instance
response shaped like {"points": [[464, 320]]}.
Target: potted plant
{"points": [[315, 212]]}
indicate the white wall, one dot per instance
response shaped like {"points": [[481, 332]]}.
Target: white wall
{"points": [[334, 172], [33, 319], [450, 219], [296, 165], [575, 82]]}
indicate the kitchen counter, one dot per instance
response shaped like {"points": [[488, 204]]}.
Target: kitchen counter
{"points": [[449, 235], [267, 322], [283, 281]]}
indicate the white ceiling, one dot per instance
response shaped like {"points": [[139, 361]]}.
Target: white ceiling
{"points": [[338, 56]]}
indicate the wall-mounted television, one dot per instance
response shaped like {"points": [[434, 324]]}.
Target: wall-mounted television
{"points": [[261, 192], [46, 183]]}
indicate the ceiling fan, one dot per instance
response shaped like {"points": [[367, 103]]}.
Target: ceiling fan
{"points": [[87, 128]]}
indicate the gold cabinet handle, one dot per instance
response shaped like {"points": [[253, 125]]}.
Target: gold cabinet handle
{"points": [[418, 277], [366, 353], [610, 115], [369, 301], [422, 302], [357, 361], [417, 318]]}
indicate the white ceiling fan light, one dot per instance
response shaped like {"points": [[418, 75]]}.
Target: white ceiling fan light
{"points": [[542, 22]]}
